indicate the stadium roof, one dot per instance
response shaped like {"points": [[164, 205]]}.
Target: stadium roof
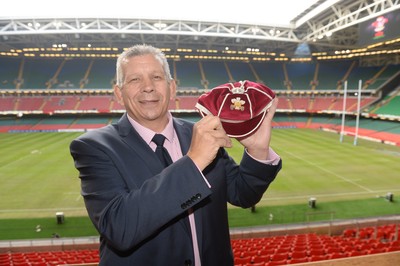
{"points": [[256, 12], [268, 25]]}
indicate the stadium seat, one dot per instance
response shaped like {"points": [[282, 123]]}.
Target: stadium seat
{"points": [[250, 253], [279, 257], [258, 259], [377, 250], [393, 248], [298, 255], [298, 260], [276, 263], [24, 263], [316, 252], [318, 257], [266, 251], [349, 233], [283, 249], [337, 255], [257, 264], [333, 249], [357, 253], [243, 260]]}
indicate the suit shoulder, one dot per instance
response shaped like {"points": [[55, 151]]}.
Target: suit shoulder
{"points": [[184, 122], [98, 133]]}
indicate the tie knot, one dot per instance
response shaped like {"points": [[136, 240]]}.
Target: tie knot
{"points": [[159, 139]]}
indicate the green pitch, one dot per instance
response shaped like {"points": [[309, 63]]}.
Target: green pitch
{"points": [[38, 178]]}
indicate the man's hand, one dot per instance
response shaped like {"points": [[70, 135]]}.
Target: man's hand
{"points": [[208, 137], [257, 144]]}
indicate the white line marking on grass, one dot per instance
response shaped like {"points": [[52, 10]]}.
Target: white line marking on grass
{"points": [[331, 195], [36, 210], [15, 161], [330, 172], [74, 193]]}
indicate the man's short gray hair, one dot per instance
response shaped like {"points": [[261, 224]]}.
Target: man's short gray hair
{"points": [[138, 50]]}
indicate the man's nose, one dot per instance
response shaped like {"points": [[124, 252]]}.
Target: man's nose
{"points": [[147, 85]]}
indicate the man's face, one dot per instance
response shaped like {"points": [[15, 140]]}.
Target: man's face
{"points": [[145, 92]]}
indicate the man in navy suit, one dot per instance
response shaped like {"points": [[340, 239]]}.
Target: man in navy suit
{"points": [[150, 215]]}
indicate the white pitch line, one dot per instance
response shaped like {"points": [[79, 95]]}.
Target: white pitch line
{"points": [[330, 172], [18, 160], [36, 210], [329, 195]]}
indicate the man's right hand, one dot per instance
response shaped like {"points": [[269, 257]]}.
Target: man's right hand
{"points": [[208, 137]]}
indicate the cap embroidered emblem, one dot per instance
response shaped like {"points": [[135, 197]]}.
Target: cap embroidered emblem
{"points": [[237, 104]]}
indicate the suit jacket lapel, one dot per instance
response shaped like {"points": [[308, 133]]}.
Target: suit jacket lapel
{"points": [[138, 145], [184, 135]]}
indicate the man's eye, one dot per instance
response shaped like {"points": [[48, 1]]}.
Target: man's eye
{"points": [[157, 77]]}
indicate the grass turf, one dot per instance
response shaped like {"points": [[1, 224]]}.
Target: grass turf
{"points": [[38, 179]]}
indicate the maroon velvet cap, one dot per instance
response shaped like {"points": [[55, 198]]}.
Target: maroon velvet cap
{"points": [[241, 106]]}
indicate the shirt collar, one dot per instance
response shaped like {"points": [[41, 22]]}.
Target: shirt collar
{"points": [[148, 134]]}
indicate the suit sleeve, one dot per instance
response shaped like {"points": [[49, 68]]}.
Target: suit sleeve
{"points": [[248, 181], [126, 214]]}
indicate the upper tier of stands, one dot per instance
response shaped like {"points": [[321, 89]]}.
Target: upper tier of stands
{"points": [[193, 76], [59, 73], [107, 103]]}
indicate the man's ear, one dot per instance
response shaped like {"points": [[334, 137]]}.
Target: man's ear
{"points": [[172, 89], [118, 94]]}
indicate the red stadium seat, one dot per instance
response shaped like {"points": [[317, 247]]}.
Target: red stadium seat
{"points": [[257, 264], [266, 251], [318, 257], [299, 260], [279, 257], [277, 262], [377, 250], [298, 255], [337, 255], [250, 253], [258, 259], [349, 233], [316, 252], [393, 248], [244, 260]]}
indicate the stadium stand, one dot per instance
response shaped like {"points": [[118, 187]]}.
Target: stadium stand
{"points": [[101, 74], [72, 73], [272, 250], [8, 72], [188, 74], [389, 106], [40, 95], [215, 72]]}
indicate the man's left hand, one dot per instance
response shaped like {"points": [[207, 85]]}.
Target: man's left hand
{"points": [[257, 144]]}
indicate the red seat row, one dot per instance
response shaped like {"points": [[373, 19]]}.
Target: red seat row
{"points": [[49, 258], [281, 250]]}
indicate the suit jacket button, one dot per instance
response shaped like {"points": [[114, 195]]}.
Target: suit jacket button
{"points": [[188, 262]]}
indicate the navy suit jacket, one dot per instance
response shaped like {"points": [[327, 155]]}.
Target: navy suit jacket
{"points": [[140, 209]]}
